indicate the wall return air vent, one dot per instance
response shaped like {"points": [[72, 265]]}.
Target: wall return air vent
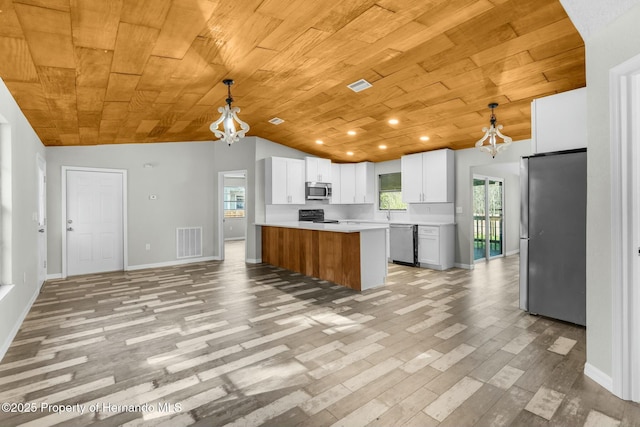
{"points": [[360, 85], [188, 242]]}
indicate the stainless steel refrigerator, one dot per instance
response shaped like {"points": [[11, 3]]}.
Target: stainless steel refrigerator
{"points": [[553, 235]]}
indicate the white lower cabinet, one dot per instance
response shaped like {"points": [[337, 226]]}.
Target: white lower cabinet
{"points": [[388, 246], [435, 246]]}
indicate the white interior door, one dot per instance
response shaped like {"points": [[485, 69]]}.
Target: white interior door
{"points": [[42, 220], [95, 241]]}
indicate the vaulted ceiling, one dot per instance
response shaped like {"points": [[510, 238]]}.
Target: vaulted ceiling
{"points": [[87, 72]]}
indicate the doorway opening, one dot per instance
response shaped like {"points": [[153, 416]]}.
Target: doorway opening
{"points": [[233, 215], [488, 217]]}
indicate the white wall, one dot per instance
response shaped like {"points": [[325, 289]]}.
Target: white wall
{"points": [[235, 157], [184, 176], [611, 46], [249, 154], [22, 231], [465, 161], [181, 178]]}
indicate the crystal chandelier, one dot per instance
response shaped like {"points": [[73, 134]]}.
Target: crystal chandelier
{"points": [[490, 133], [229, 134]]}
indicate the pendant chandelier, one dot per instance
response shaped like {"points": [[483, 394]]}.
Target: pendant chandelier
{"points": [[491, 133], [229, 114]]}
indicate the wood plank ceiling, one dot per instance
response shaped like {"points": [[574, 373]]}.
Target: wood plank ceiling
{"points": [[89, 72]]}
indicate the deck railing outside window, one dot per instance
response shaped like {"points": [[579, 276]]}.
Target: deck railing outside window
{"points": [[495, 231]]}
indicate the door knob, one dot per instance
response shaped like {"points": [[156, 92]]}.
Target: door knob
{"points": [[69, 221], [69, 228], [40, 230]]}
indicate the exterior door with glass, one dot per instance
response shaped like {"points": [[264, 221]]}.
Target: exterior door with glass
{"points": [[488, 217]]}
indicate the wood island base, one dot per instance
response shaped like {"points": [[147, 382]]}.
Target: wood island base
{"points": [[356, 260]]}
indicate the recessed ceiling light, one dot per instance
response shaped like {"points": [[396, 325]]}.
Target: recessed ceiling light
{"points": [[349, 153], [319, 142], [382, 147], [360, 85], [424, 138], [393, 121], [351, 132], [276, 121]]}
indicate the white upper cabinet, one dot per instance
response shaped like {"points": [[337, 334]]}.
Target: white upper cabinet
{"points": [[347, 183], [284, 181], [356, 184], [438, 176], [559, 122], [428, 177], [335, 184], [365, 176], [317, 169], [411, 167]]}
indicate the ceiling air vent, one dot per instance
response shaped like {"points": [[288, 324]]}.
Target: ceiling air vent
{"points": [[360, 85], [276, 121]]}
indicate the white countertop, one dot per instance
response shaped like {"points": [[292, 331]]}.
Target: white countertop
{"points": [[392, 222], [339, 228]]}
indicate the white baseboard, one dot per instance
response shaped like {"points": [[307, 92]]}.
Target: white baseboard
{"points": [[16, 327], [465, 266], [598, 376], [54, 276], [253, 260], [170, 263], [517, 251]]}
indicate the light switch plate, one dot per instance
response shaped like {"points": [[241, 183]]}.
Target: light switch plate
{"points": [[458, 209]]}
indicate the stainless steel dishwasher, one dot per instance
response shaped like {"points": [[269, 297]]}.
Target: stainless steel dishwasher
{"points": [[404, 244]]}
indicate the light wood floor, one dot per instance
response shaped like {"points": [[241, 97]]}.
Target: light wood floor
{"points": [[227, 343]]}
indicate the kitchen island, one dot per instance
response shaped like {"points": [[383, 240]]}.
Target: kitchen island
{"points": [[351, 255]]}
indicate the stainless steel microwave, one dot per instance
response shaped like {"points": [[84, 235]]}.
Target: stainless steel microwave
{"points": [[318, 190]]}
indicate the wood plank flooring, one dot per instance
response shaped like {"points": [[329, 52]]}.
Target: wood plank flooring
{"points": [[229, 343]]}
